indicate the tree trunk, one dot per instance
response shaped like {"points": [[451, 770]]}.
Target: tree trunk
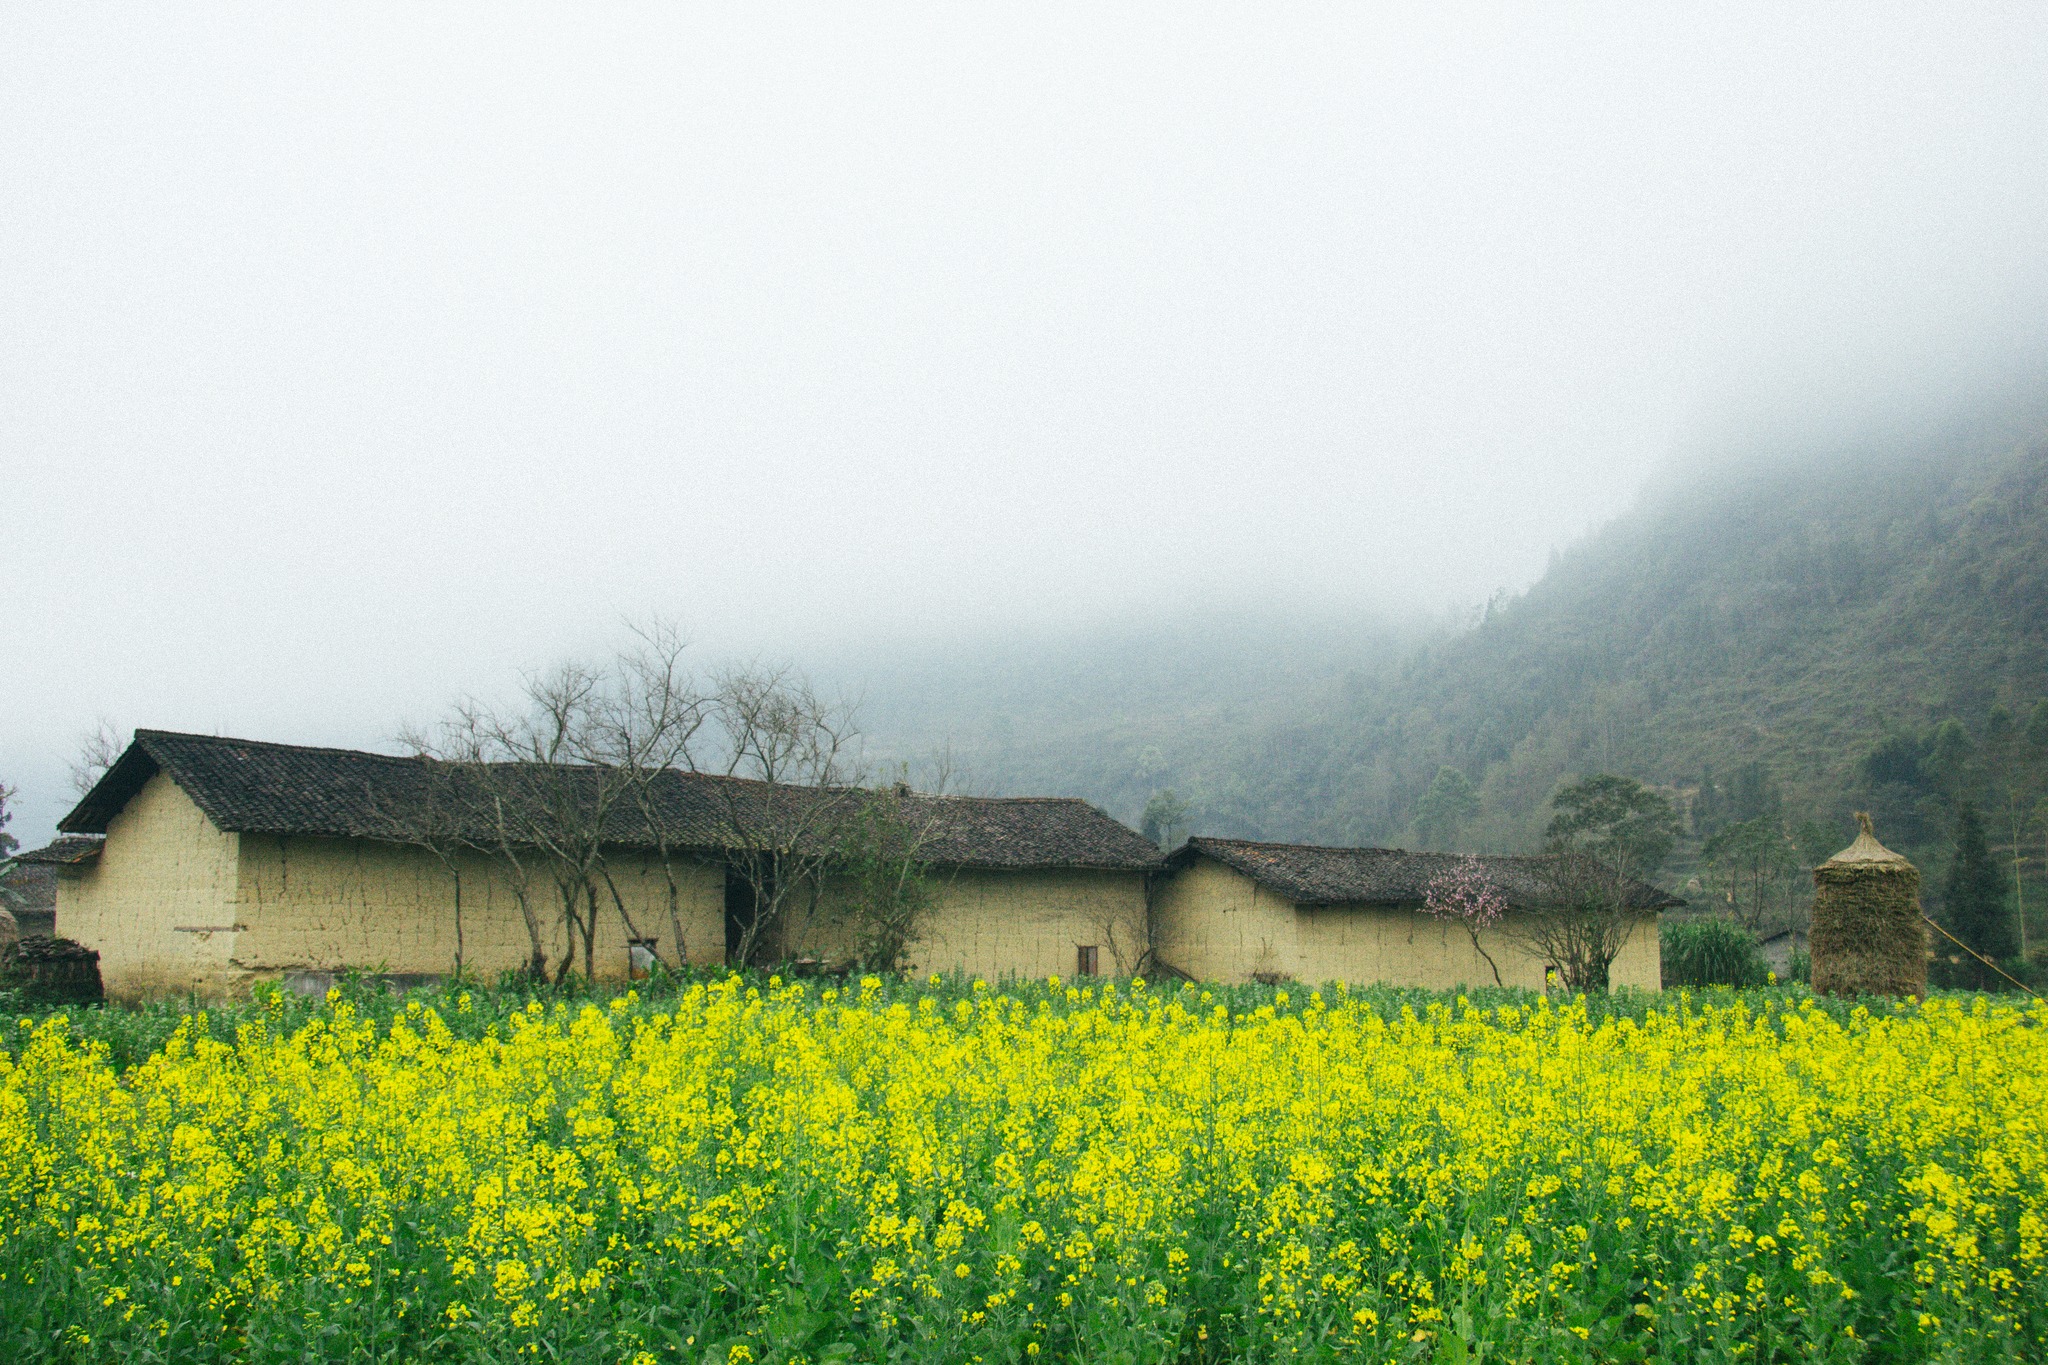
{"points": [[675, 918], [567, 891], [1473, 934], [537, 956]]}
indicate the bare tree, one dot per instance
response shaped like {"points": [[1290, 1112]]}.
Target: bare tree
{"points": [[1582, 918], [888, 886], [648, 730], [790, 757], [564, 794], [1608, 836], [1129, 958], [98, 748], [456, 758], [536, 791], [1753, 857], [434, 816], [8, 843], [758, 773]]}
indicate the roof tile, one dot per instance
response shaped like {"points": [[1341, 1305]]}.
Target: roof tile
{"points": [[1311, 875]]}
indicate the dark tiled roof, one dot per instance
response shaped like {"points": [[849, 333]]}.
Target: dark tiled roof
{"points": [[1309, 875], [257, 788], [34, 886], [64, 850]]}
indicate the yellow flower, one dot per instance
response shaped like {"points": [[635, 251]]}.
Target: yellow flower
{"points": [[1152, 1154]]}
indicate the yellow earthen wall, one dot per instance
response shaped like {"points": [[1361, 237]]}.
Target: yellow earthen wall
{"points": [[1641, 961], [159, 902], [1032, 923], [1215, 923], [816, 928], [327, 904]]}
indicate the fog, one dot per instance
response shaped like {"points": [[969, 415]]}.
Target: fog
{"points": [[356, 358]]}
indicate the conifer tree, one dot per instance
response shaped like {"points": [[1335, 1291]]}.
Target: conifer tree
{"points": [[1449, 804], [1974, 902]]}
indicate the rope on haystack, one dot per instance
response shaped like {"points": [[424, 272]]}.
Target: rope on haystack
{"points": [[1979, 956]]}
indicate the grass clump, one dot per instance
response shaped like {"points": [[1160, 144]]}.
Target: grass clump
{"points": [[1710, 951]]}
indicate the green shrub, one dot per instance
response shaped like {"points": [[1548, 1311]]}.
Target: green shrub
{"points": [[1711, 952]]}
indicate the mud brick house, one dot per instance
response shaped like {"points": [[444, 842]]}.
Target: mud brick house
{"points": [[205, 864], [33, 882], [1235, 910], [225, 861]]}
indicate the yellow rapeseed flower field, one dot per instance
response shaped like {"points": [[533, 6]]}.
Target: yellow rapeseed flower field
{"points": [[768, 1172]]}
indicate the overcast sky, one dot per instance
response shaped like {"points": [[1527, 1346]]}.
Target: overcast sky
{"points": [[353, 356]]}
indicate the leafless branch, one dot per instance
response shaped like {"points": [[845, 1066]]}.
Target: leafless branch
{"points": [[97, 750]]}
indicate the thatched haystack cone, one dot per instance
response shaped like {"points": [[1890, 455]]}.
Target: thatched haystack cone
{"points": [[1868, 936]]}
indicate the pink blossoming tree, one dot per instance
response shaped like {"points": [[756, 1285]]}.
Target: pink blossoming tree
{"points": [[1465, 895]]}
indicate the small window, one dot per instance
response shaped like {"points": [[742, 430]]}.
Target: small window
{"points": [[1086, 966]]}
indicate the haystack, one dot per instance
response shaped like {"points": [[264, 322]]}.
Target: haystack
{"points": [[1868, 935]]}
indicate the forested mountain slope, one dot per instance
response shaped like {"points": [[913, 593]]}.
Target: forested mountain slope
{"points": [[1792, 620], [1788, 635]]}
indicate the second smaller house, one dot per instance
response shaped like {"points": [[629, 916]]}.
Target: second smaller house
{"points": [[1235, 910], [1780, 948], [32, 882]]}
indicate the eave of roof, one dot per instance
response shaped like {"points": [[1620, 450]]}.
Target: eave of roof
{"points": [[64, 851], [115, 789]]}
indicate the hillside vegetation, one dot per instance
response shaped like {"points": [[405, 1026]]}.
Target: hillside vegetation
{"points": [[1782, 639]]}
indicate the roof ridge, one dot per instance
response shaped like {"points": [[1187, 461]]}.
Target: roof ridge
{"points": [[226, 740], [1015, 800], [1349, 848], [1310, 848], [698, 774]]}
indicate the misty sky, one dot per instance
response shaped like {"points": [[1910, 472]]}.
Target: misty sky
{"points": [[355, 356]]}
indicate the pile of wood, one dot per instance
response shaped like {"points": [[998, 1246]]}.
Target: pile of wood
{"points": [[52, 971]]}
